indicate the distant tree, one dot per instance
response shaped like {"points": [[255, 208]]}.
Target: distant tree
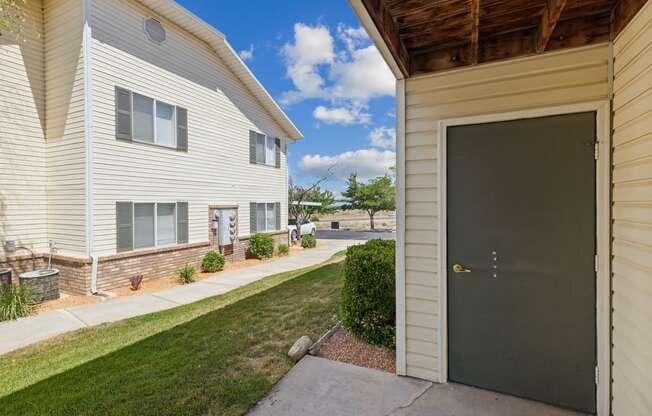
{"points": [[298, 195], [12, 16], [376, 195]]}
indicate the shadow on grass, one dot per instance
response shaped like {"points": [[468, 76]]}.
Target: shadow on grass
{"points": [[220, 363]]}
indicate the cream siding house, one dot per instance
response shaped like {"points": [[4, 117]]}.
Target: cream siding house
{"points": [[194, 115], [612, 79]]}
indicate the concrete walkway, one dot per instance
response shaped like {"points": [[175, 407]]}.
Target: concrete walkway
{"points": [[26, 331], [317, 386]]}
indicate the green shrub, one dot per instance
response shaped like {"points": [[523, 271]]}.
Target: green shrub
{"points": [[261, 245], [308, 241], [212, 262], [186, 274], [368, 307], [283, 249], [15, 302]]}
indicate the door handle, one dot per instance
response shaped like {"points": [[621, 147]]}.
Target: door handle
{"points": [[458, 268]]}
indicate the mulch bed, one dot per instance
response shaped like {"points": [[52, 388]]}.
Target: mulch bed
{"points": [[346, 347]]}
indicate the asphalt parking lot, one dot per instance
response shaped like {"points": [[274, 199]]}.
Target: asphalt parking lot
{"points": [[355, 235]]}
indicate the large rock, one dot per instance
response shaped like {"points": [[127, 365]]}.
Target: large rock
{"points": [[300, 348]]}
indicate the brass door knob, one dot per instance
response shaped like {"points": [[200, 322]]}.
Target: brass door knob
{"points": [[458, 268]]}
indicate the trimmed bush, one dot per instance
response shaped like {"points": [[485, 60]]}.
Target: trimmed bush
{"points": [[283, 249], [186, 274], [368, 307], [212, 262], [15, 302], [308, 241], [261, 245]]}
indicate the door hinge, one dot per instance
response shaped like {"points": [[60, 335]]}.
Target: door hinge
{"points": [[597, 263], [597, 149], [597, 375]]}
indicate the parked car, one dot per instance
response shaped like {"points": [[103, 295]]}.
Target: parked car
{"points": [[307, 227]]}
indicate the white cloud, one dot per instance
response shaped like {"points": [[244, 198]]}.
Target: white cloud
{"points": [[363, 77], [312, 47], [384, 137], [341, 115], [352, 37], [367, 163], [346, 71], [247, 54]]}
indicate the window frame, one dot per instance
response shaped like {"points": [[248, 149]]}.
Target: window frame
{"points": [[267, 213], [155, 102], [266, 142], [269, 139], [156, 204]]}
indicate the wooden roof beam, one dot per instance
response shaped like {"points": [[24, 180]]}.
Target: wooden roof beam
{"points": [[623, 12], [475, 30], [549, 20], [388, 29]]}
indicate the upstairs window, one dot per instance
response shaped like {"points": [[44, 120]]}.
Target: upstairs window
{"points": [[144, 119], [264, 150]]}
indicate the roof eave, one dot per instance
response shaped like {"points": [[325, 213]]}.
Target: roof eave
{"points": [[367, 22], [179, 15]]}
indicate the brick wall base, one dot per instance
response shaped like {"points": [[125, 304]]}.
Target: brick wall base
{"points": [[116, 270], [74, 273]]}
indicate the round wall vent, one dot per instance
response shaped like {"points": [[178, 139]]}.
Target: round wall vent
{"points": [[154, 29]]}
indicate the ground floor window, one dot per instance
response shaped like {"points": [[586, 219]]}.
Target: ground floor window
{"points": [[265, 216], [150, 224]]}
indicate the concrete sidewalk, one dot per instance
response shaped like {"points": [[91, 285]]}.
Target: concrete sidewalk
{"points": [[26, 331], [317, 386]]}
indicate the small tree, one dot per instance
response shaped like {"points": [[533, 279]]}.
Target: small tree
{"points": [[297, 195], [12, 16], [376, 195]]}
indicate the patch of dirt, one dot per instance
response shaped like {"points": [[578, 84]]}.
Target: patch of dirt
{"points": [[149, 286], [155, 285], [347, 348], [357, 220], [65, 301]]}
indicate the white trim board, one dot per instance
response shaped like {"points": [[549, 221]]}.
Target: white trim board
{"points": [[603, 230], [401, 365]]}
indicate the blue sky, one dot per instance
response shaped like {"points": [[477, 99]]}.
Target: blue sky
{"points": [[314, 58]]}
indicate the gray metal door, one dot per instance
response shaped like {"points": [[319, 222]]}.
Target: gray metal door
{"points": [[521, 258]]}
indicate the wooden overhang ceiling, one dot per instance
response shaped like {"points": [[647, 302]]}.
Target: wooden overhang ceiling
{"points": [[432, 35]]}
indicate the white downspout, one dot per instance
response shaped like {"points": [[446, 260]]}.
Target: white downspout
{"points": [[88, 139]]}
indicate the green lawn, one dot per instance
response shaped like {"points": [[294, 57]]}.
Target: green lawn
{"points": [[213, 357]]}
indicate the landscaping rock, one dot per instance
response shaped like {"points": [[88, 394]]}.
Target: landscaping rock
{"points": [[300, 348]]}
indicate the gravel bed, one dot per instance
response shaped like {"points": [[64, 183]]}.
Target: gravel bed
{"points": [[345, 347]]}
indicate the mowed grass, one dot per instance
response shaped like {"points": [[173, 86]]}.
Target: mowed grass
{"points": [[214, 357]]}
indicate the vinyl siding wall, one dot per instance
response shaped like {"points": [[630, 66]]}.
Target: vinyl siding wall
{"points": [[181, 71], [66, 159], [571, 76], [23, 215], [632, 218]]}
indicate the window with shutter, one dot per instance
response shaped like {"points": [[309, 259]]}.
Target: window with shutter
{"points": [[264, 150], [144, 119], [277, 208]]}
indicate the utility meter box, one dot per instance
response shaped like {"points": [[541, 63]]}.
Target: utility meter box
{"points": [[226, 231]]}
